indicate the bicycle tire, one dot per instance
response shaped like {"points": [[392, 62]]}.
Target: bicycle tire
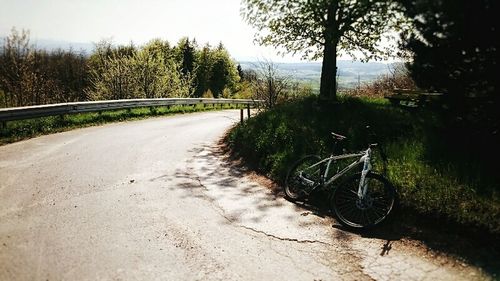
{"points": [[351, 212], [295, 188]]}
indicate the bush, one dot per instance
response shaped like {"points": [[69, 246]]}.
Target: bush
{"points": [[433, 177]]}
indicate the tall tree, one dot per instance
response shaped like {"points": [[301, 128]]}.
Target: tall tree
{"points": [[186, 52], [454, 47], [13, 65], [223, 73], [322, 28], [240, 71], [203, 70], [113, 76]]}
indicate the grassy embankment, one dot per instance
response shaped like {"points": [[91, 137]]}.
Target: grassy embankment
{"points": [[431, 171], [24, 129]]}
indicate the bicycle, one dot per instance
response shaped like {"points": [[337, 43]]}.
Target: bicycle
{"points": [[363, 200]]}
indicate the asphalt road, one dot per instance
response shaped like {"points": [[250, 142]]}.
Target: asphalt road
{"points": [[156, 200]]}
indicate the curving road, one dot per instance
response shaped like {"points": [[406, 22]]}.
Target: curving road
{"points": [[156, 200]]}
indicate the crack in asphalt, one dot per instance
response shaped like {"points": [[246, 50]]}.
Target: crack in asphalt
{"points": [[355, 264], [201, 184], [353, 268], [213, 202], [231, 221], [284, 238]]}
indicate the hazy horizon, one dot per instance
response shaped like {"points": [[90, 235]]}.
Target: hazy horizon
{"points": [[87, 21], [82, 22]]}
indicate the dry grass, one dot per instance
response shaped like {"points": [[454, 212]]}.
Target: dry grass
{"points": [[399, 78]]}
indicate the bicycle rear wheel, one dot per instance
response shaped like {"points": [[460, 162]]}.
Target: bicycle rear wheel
{"points": [[375, 208], [302, 178]]}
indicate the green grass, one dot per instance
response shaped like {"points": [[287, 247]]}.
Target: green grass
{"points": [[24, 129], [438, 170]]}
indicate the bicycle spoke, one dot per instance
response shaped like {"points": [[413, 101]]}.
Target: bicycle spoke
{"points": [[382, 211], [347, 211], [372, 216], [352, 191], [377, 217], [346, 197], [347, 206], [359, 217], [365, 219], [377, 205]]}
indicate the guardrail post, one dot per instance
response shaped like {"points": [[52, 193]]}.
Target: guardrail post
{"points": [[241, 115], [3, 125], [248, 110]]}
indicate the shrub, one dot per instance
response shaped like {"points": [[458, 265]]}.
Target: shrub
{"points": [[433, 177]]}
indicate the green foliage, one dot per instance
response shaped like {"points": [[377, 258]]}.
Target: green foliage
{"points": [[29, 76], [186, 55], [115, 79], [324, 27], [203, 70], [148, 72], [154, 74], [454, 50], [454, 46], [244, 90], [433, 177], [223, 72], [306, 26]]}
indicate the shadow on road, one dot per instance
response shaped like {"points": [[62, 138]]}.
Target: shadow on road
{"points": [[217, 169], [206, 170]]}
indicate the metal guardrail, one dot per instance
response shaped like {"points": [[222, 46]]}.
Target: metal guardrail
{"points": [[28, 112]]}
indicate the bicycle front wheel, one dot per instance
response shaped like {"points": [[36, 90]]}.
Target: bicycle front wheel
{"points": [[370, 211], [302, 178]]}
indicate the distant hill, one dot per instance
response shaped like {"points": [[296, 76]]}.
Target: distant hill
{"points": [[349, 71], [48, 44]]}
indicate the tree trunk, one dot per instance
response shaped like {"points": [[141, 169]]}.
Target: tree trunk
{"points": [[328, 86]]}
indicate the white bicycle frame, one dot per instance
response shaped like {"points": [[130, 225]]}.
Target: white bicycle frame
{"points": [[365, 158]]}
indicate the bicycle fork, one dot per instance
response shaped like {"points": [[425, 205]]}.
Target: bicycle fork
{"points": [[363, 183]]}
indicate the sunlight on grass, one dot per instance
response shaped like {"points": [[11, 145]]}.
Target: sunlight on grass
{"points": [[432, 176]]}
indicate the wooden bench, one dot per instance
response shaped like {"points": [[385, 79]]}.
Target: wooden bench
{"points": [[413, 98]]}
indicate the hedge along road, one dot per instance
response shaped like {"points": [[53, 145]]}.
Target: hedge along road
{"points": [[155, 199]]}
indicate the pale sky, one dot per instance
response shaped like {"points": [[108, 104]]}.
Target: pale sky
{"points": [[85, 21]]}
